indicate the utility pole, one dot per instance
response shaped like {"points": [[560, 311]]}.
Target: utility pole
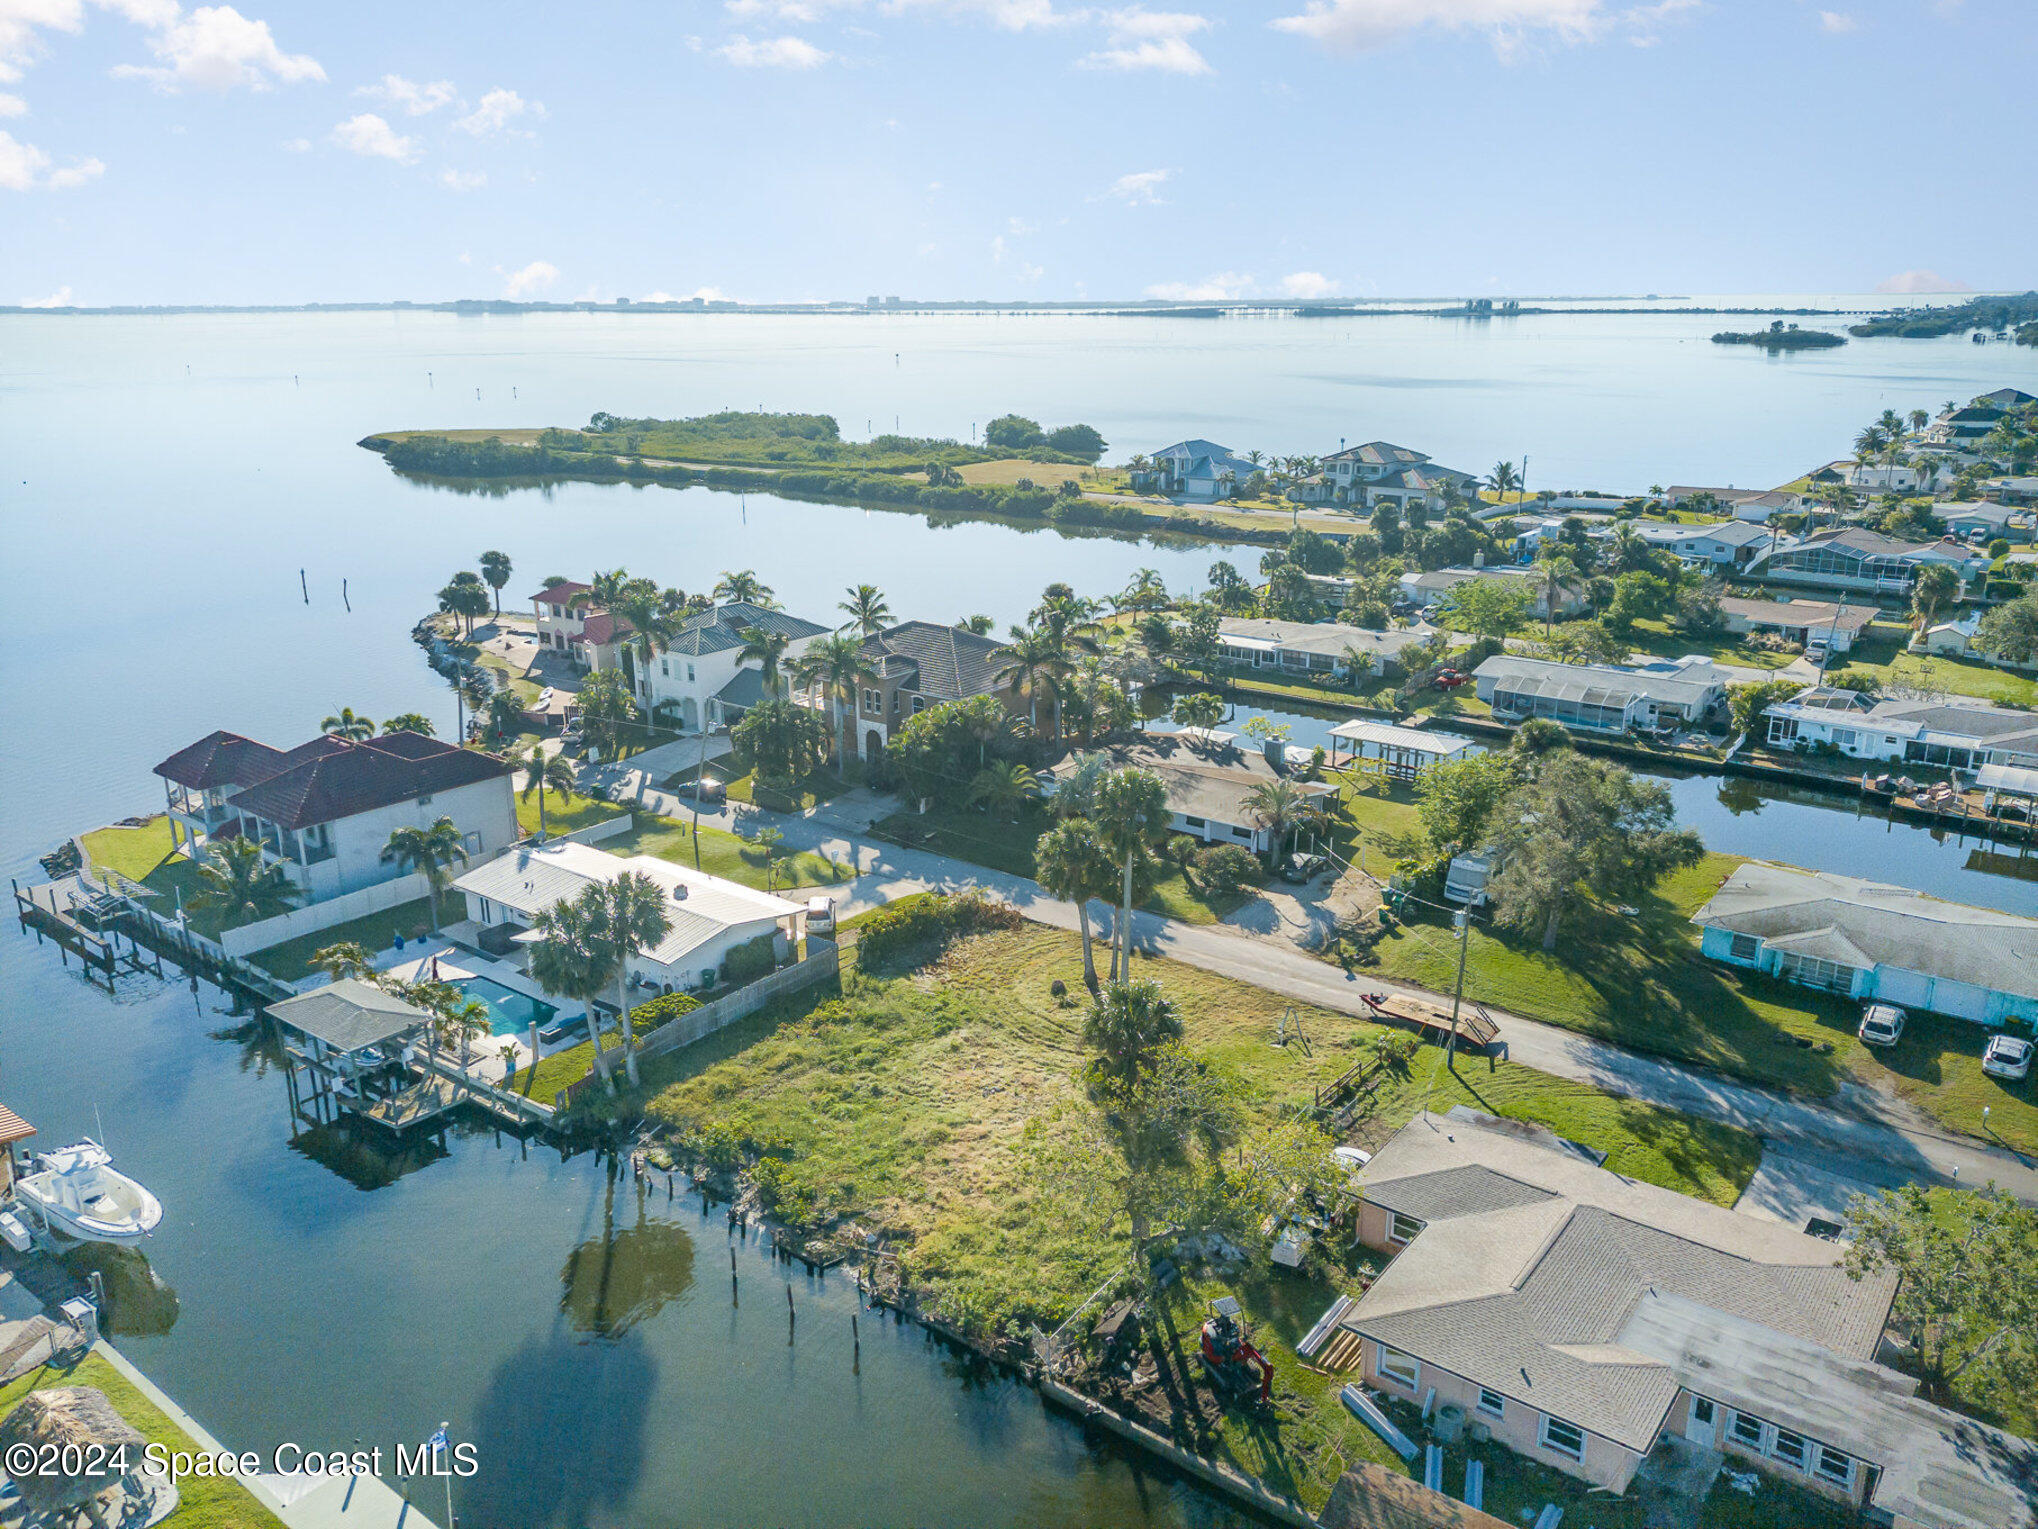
{"points": [[1463, 924]]}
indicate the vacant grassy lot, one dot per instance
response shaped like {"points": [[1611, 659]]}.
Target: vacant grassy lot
{"points": [[1004, 472], [724, 854], [1006, 844], [905, 1098], [214, 1502]]}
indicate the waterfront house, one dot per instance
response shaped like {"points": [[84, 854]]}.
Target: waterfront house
{"points": [[702, 678], [1602, 698], [561, 614], [1946, 733], [1583, 1317], [324, 810], [1799, 621], [1194, 470], [1311, 647], [2017, 491], [1854, 558], [1209, 781], [1875, 943], [1964, 428], [1721, 546], [918, 664], [1433, 586], [1379, 472], [709, 917], [1984, 518]]}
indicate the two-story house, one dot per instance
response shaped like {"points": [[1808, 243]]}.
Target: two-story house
{"points": [[920, 663], [702, 678], [324, 810], [561, 614], [1194, 470], [1379, 472]]}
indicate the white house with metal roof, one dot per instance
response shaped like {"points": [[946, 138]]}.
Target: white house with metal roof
{"points": [[708, 916], [1948, 733], [1602, 698], [1311, 647], [1875, 943]]}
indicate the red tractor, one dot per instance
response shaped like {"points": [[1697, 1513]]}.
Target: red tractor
{"points": [[1236, 1370]]}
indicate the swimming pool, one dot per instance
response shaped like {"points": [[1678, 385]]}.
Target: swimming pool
{"points": [[512, 1013]]}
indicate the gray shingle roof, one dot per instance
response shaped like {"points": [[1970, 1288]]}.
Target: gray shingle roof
{"points": [[952, 662], [1316, 636], [722, 628], [1467, 1191], [350, 1014]]}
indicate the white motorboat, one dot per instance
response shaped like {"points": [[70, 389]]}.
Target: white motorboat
{"points": [[75, 1190]]}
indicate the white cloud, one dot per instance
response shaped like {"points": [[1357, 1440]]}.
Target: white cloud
{"points": [[213, 48], [498, 109], [1345, 26], [12, 106], [371, 137], [705, 294], [463, 180], [1836, 23], [61, 298], [1308, 284], [772, 53], [1019, 227], [1140, 188], [1911, 282], [998, 250], [1142, 39], [408, 96], [24, 167], [297, 145], [1222, 287], [1030, 273], [533, 278]]}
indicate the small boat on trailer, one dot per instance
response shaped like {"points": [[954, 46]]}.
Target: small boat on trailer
{"points": [[75, 1191]]}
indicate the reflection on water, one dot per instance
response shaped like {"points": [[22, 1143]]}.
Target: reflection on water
{"points": [[367, 1156], [613, 1281], [136, 1302]]}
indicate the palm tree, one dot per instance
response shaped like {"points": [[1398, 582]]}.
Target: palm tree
{"points": [[767, 648], [429, 851], [1073, 866], [495, 572], [979, 624], [1131, 816], [743, 587], [1920, 418], [349, 958], [1033, 662], [1934, 586], [632, 920], [836, 667], [235, 884], [1145, 592], [656, 618], [1126, 1025], [1558, 571], [866, 610], [347, 724], [1503, 480], [1202, 709], [1004, 786], [546, 772], [505, 714], [1278, 807], [408, 722], [603, 590], [573, 962]]}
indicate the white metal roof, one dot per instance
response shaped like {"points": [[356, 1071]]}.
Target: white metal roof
{"points": [[1412, 739], [2016, 779]]}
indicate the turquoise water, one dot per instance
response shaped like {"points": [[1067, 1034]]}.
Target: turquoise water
{"points": [[512, 1013]]}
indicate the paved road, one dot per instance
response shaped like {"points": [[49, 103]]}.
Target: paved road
{"points": [[1863, 1135]]}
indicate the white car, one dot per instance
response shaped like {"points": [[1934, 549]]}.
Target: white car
{"points": [[820, 916], [1882, 1024], [2007, 1056]]}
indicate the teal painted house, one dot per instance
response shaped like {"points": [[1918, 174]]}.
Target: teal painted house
{"points": [[1875, 943]]}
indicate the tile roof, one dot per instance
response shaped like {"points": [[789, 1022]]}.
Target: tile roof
{"points": [[1527, 1271], [1883, 925], [600, 629], [561, 593], [350, 1014], [331, 778], [947, 663], [228, 759]]}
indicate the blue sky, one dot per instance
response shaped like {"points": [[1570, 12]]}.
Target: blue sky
{"points": [[799, 149]]}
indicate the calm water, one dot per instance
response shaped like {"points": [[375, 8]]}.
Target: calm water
{"points": [[155, 521]]}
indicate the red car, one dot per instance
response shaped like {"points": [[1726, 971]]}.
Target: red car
{"points": [[1449, 679]]}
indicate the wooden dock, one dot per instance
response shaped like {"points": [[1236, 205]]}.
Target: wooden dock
{"points": [[83, 921]]}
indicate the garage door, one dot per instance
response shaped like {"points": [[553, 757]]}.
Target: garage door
{"points": [[1906, 989], [1962, 1000]]}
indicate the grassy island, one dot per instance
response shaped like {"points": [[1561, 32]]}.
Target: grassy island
{"points": [[1991, 313], [1778, 337]]}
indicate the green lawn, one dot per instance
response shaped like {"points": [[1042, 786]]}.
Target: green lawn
{"points": [[212, 1502], [724, 854], [563, 1069], [1880, 652], [1660, 640], [735, 772], [1006, 844], [564, 816], [375, 931], [143, 855], [904, 1101]]}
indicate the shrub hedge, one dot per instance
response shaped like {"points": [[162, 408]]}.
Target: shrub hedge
{"points": [[930, 918]]}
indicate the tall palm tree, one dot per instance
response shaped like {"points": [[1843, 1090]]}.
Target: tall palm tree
{"points": [[632, 920], [1073, 866], [1278, 807], [546, 772], [768, 648], [836, 667], [408, 722], [1131, 816], [745, 587], [1503, 480], [429, 851], [656, 616], [603, 590], [1145, 592], [1934, 585], [495, 572], [1033, 662], [1558, 572], [866, 609], [573, 961], [236, 885], [348, 724], [1920, 418]]}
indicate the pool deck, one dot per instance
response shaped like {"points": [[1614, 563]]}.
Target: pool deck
{"points": [[454, 961]]}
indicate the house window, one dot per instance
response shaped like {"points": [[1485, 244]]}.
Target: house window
{"points": [[1241, 833], [919, 704], [1788, 1448], [664, 669], [1834, 1467], [1402, 1369], [1746, 1430], [1744, 947], [1401, 1229], [1192, 822], [1492, 1402], [873, 702], [472, 841], [1562, 1438], [689, 674], [1813, 972]]}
